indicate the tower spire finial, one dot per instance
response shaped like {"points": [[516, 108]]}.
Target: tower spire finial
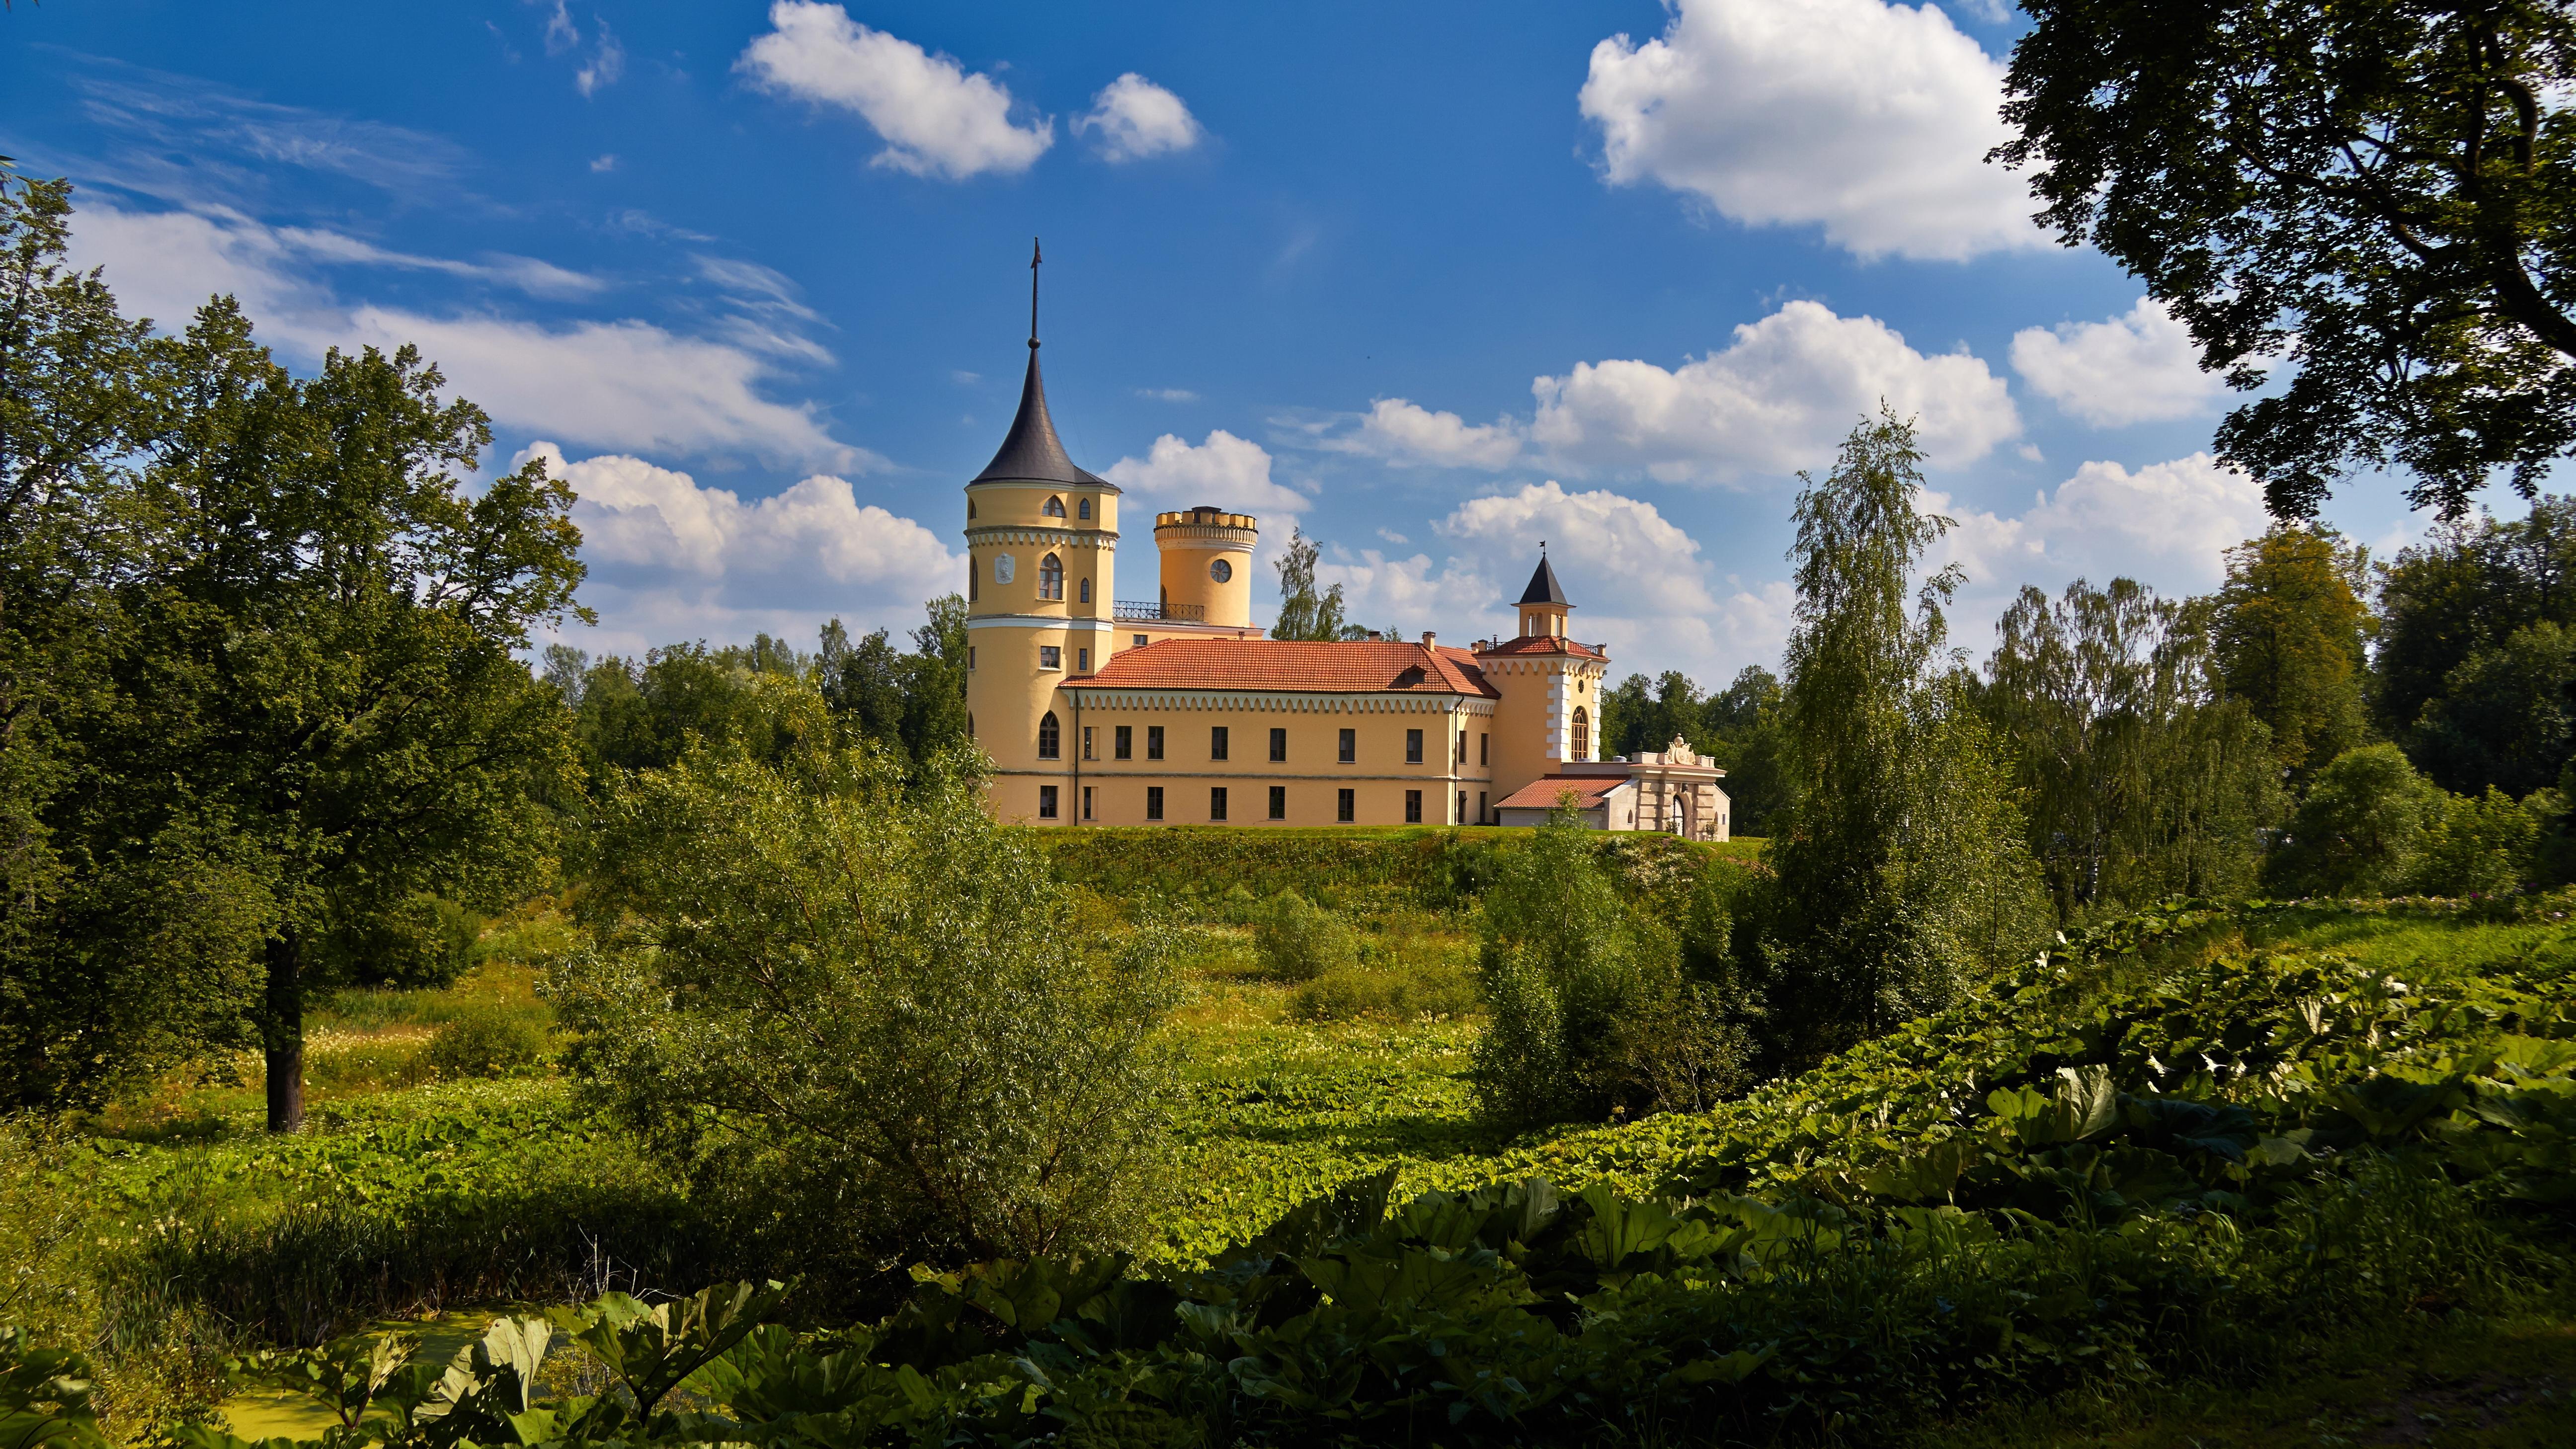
{"points": [[1035, 257]]}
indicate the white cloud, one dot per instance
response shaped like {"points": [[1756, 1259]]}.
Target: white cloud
{"points": [[526, 274], [1872, 120], [935, 118], [1136, 119], [2164, 524], [1638, 581], [1780, 399], [607, 161], [1168, 394], [2139, 367], [1223, 472], [621, 384], [1403, 434], [606, 64], [671, 559]]}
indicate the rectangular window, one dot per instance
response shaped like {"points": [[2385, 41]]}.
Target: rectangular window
{"points": [[1086, 744], [1413, 747], [1459, 818], [1046, 802], [1480, 807], [1153, 802], [970, 656], [1216, 742], [1086, 802], [1278, 744], [1140, 640], [1124, 742], [1153, 742], [1350, 746], [1346, 809], [1412, 807], [1278, 802], [1216, 802], [1050, 657], [1484, 749], [1082, 657]]}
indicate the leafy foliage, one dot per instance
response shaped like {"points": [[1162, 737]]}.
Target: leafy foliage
{"points": [[1297, 941], [2377, 192], [857, 1018], [1735, 726], [2287, 632]]}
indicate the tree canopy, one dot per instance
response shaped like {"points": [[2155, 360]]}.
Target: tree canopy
{"points": [[2382, 194]]}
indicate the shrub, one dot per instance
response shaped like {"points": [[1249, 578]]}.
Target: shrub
{"points": [[2478, 846], [1567, 972], [851, 1010], [488, 1041], [1401, 992], [2360, 829], [1299, 941]]}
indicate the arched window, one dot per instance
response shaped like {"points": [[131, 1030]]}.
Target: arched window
{"points": [[1054, 508], [1086, 591], [1581, 743], [970, 510], [1050, 577], [1083, 508], [974, 582], [1050, 738]]}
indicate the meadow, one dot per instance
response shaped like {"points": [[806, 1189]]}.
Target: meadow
{"points": [[2282, 1071]]}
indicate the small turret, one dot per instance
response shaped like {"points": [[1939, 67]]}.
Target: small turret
{"points": [[1207, 565]]}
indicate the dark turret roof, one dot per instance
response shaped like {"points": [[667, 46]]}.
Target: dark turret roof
{"points": [[1032, 453], [1543, 587]]}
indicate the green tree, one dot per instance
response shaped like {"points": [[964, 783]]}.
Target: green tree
{"points": [[2482, 845], [2380, 192], [2288, 634], [861, 1018], [1900, 865], [131, 908], [2466, 677], [2503, 719], [2360, 831], [1304, 613], [2139, 780], [346, 616]]}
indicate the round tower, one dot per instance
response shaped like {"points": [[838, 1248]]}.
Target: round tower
{"points": [[1041, 545], [1207, 565], [1549, 715]]}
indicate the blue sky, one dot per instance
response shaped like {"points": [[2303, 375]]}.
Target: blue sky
{"points": [[1432, 282]]}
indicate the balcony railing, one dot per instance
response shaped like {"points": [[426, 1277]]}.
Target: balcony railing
{"points": [[1149, 611]]}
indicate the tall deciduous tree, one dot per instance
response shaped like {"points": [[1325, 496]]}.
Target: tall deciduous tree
{"points": [[1304, 613], [2138, 777], [2383, 191], [348, 615], [1901, 869], [2289, 632]]}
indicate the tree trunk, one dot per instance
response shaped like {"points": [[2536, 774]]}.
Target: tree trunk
{"points": [[282, 1034]]}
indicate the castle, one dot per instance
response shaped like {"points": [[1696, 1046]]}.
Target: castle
{"points": [[1177, 711]]}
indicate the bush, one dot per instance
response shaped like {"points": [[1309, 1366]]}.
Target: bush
{"points": [[851, 1009], [489, 1041], [2479, 846], [2360, 828], [1573, 981], [1299, 941], [1400, 992]]}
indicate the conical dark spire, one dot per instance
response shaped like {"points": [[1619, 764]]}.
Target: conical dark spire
{"points": [[1543, 587], [1032, 453]]}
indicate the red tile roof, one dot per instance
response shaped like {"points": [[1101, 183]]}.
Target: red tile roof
{"points": [[1544, 644], [1541, 793], [1357, 667]]}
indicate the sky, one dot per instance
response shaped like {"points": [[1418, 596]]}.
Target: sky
{"points": [[1430, 282]]}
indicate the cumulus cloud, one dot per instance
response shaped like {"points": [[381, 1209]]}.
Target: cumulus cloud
{"points": [[1779, 399], [1133, 118], [1868, 119], [1638, 581], [672, 559], [1398, 432], [1223, 472], [2164, 524], [625, 384], [2141, 366], [935, 119]]}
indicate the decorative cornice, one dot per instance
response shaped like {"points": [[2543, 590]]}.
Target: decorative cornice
{"points": [[1104, 696], [1035, 537]]}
